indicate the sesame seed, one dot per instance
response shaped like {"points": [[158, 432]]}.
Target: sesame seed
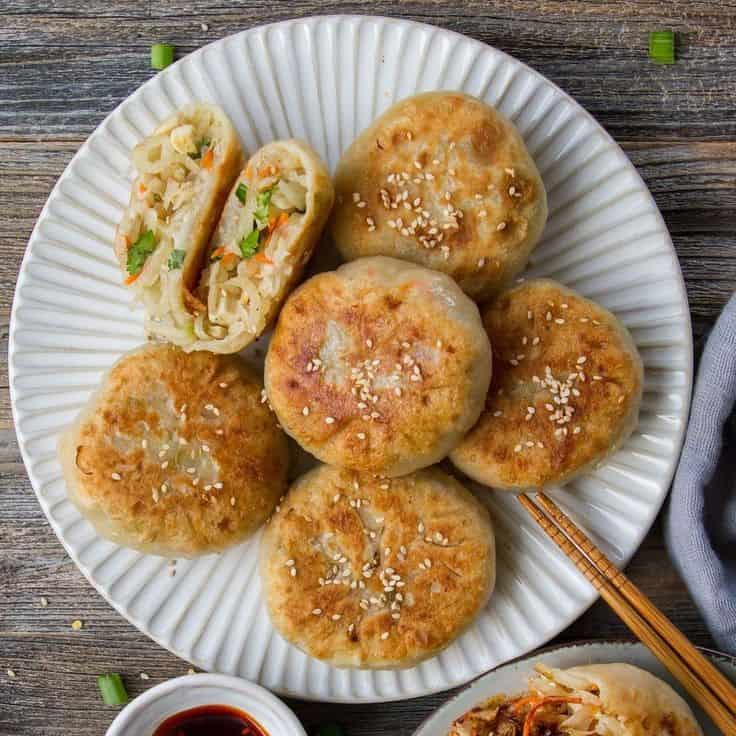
{"points": [[44, 602], [576, 430], [535, 341], [77, 625], [529, 314], [116, 476], [336, 617], [11, 674], [548, 316], [420, 527], [597, 378], [517, 448], [218, 485], [360, 435], [356, 196], [232, 500], [482, 213], [497, 413], [360, 205], [329, 420], [384, 636]]}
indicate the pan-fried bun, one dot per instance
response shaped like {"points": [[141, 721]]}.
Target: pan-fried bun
{"points": [[365, 572], [643, 703], [175, 454], [603, 699], [380, 366], [566, 390], [445, 181]]}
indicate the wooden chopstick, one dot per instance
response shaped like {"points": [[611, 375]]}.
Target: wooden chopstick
{"points": [[708, 687], [680, 643]]}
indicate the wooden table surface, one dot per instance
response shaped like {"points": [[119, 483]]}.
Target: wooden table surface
{"points": [[66, 63]]}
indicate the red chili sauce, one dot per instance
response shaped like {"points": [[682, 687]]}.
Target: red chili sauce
{"points": [[210, 720]]}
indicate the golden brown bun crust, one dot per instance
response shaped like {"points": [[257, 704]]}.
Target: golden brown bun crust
{"points": [[643, 702], [468, 150], [373, 534], [589, 352], [355, 408], [113, 456]]}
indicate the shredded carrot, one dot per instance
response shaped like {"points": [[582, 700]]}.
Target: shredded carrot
{"points": [[522, 702], [126, 241], [217, 253], [229, 260], [541, 702], [248, 171], [270, 170], [208, 159], [261, 257], [130, 279]]}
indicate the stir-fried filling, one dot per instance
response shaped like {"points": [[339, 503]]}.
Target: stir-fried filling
{"points": [[169, 164], [528, 715], [557, 704], [268, 201], [253, 251]]}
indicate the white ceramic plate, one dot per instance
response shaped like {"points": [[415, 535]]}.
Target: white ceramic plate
{"points": [[324, 79], [511, 678]]}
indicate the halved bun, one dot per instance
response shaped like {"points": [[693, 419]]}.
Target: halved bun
{"points": [[184, 171]]}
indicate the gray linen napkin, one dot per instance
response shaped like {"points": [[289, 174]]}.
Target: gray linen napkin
{"points": [[701, 520]]}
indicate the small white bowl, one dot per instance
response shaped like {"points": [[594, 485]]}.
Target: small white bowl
{"points": [[142, 716]]}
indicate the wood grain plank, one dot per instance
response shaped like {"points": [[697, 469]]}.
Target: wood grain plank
{"points": [[571, 43]]}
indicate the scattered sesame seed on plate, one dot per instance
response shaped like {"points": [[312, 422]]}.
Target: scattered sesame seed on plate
{"points": [[11, 673], [77, 624], [144, 676]]}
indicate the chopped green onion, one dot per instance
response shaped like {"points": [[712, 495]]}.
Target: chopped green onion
{"points": [[162, 54], [662, 47], [201, 144], [249, 244], [112, 689], [176, 258], [241, 192], [263, 202], [139, 251]]}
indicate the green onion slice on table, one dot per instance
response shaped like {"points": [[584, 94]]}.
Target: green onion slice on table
{"points": [[112, 689], [162, 54], [662, 47]]}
